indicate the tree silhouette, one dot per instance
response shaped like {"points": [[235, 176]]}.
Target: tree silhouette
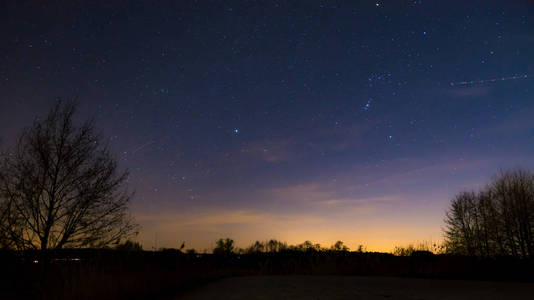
{"points": [[275, 246], [308, 246], [224, 247], [340, 246], [460, 220], [5, 242], [496, 221], [257, 247], [60, 187], [129, 246]]}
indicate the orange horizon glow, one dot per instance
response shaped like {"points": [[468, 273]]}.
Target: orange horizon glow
{"points": [[201, 231]]}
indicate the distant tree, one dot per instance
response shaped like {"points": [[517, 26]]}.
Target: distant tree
{"points": [[61, 187], [404, 251], [424, 248], [275, 246], [308, 246], [339, 246], [257, 247], [129, 246], [224, 247]]}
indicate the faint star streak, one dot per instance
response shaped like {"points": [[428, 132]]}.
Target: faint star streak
{"points": [[487, 80], [142, 146]]}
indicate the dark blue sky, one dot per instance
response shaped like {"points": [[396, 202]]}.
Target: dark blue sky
{"points": [[297, 120]]}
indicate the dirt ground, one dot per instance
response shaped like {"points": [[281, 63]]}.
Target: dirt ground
{"points": [[338, 287]]}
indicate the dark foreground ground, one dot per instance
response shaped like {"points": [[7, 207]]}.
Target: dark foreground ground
{"points": [[87, 274], [355, 287]]}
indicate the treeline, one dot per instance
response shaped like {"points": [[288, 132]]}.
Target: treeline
{"points": [[497, 220], [226, 246]]}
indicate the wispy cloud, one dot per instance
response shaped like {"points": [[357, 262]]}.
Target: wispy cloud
{"points": [[369, 201], [403, 201], [471, 91], [330, 197], [270, 150], [331, 139], [206, 226]]}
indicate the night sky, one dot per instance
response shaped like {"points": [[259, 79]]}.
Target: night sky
{"points": [[294, 120]]}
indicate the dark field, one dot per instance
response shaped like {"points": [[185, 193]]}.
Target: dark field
{"points": [[113, 274], [350, 287]]}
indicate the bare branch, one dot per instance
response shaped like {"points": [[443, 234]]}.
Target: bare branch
{"points": [[61, 187]]}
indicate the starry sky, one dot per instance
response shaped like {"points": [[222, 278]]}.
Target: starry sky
{"points": [[295, 120]]}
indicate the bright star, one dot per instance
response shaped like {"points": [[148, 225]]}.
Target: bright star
{"points": [[367, 106]]}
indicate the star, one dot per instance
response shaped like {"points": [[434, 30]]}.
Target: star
{"points": [[367, 106]]}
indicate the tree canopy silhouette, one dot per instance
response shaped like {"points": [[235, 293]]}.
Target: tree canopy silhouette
{"points": [[60, 187], [495, 221], [224, 247]]}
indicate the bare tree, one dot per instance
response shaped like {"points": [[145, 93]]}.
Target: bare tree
{"points": [[275, 246], [460, 222], [257, 247], [514, 193], [5, 241], [224, 247], [61, 187], [497, 221]]}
